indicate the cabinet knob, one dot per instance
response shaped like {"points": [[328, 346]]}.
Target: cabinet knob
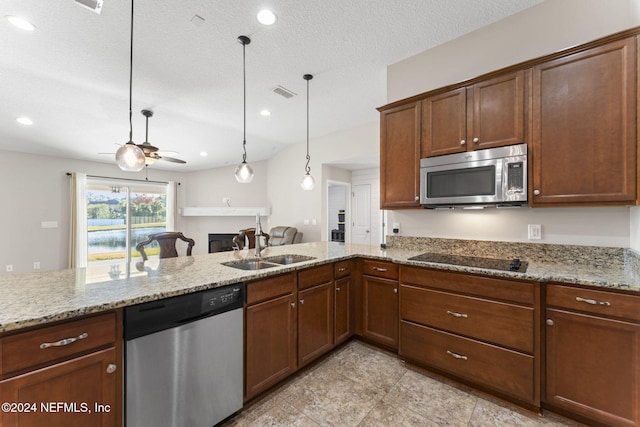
{"points": [[337, 289], [462, 142], [395, 290], [550, 322], [536, 192], [301, 302], [293, 305], [476, 140], [417, 198], [111, 368]]}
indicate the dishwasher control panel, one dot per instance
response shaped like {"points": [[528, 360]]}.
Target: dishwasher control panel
{"points": [[217, 298]]}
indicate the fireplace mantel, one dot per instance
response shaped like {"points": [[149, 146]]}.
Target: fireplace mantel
{"points": [[225, 211]]}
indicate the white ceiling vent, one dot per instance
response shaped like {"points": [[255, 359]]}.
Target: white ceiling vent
{"points": [[284, 92], [93, 5]]}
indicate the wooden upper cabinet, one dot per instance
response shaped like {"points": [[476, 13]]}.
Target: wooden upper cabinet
{"points": [[400, 157], [584, 127], [487, 114]]}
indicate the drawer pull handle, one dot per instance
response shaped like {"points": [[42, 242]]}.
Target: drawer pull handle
{"points": [[593, 302], [454, 314], [456, 355], [379, 269], [342, 269], [64, 342]]}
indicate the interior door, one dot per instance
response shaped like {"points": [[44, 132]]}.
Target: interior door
{"points": [[361, 214]]}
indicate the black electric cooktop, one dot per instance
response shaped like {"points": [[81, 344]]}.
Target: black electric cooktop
{"points": [[471, 261]]}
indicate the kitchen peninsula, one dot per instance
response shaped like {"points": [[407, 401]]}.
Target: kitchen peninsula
{"points": [[541, 295]]}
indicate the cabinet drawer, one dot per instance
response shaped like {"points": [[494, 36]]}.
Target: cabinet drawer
{"points": [[270, 288], [47, 344], [388, 270], [500, 323], [592, 301], [315, 276], [496, 368], [342, 269], [489, 287]]}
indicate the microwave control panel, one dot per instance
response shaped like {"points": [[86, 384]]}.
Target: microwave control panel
{"points": [[515, 177]]}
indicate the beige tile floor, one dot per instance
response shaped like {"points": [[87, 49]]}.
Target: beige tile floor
{"points": [[362, 386]]}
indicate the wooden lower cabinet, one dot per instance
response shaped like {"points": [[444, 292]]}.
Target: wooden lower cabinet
{"points": [[343, 329], [592, 361], [380, 310], [83, 384], [270, 338], [315, 322]]}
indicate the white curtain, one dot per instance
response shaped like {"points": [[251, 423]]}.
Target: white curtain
{"points": [[172, 205], [78, 221]]}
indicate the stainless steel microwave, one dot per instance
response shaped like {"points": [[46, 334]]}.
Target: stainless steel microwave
{"points": [[489, 177]]}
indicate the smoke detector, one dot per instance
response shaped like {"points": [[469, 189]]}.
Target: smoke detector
{"points": [[284, 92], [93, 5]]}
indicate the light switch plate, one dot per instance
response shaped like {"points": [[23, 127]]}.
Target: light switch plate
{"points": [[534, 232]]}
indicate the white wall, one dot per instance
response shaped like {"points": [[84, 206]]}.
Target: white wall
{"points": [[36, 189], [292, 205], [208, 187], [545, 28]]}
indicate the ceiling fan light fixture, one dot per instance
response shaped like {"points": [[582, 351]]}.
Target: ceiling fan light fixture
{"points": [[130, 157], [244, 172]]}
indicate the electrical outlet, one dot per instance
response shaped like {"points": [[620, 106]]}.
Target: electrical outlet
{"points": [[314, 222], [9, 268], [534, 232], [396, 227], [36, 265], [305, 222]]}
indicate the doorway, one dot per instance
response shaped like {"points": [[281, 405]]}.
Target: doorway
{"points": [[338, 211]]}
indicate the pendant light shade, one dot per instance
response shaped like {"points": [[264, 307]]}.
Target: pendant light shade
{"points": [[244, 172], [130, 157], [307, 183]]}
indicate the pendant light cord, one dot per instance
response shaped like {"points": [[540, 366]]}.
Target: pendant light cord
{"points": [[307, 168], [244, 103], [131, 77]]}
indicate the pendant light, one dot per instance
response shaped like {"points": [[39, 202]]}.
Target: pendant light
{"points": [[307, 182], [130, 157], [244, 172]]}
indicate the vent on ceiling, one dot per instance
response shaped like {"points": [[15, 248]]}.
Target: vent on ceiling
{"points": [[284, 92], [93, 5]]}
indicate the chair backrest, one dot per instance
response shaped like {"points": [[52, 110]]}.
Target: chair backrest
{"points": [[247, 237], [282, 235], [167, 243]]}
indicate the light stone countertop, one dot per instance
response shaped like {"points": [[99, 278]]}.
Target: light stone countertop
{"points": [[38, 298]]}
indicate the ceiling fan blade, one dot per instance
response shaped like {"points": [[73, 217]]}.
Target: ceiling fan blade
{"points": [[171, 159]]}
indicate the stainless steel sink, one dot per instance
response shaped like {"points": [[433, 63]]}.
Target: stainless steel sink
{"points": [[251, 264], [288, 259]]}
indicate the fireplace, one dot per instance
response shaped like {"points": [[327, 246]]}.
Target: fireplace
{"points": [[220, 242]]}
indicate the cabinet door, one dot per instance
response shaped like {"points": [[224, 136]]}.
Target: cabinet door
{"points": [[270, 331], [87, 385], [444, 123], [380, 310], [342, 309], [400, 157], [496, 113], [584, 135], [315, 322], [593, 367]]}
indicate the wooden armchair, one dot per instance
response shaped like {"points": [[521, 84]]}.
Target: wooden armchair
{"points": [[248, 236], [167, 242]]}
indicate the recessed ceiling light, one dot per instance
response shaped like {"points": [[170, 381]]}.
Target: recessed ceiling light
{"points": [[21, 23], [265, 113], [204, 154], [266, 17], [24, 121]]}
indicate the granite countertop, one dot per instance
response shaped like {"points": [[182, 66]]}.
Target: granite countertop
{"points": [[38, 298]]}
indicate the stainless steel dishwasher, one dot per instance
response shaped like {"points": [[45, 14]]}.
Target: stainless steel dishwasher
{"points": [[183, 359]]}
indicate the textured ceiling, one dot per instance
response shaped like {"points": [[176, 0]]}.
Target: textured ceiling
{"points": [[71, 75]]}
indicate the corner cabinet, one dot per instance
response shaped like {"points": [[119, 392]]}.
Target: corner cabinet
{"points": [[593, 355], [490, 113], [75, 363], [400, 157], [584, 127]]}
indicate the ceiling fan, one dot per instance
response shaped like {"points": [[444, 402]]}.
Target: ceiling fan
{"points": [[153, 153]]}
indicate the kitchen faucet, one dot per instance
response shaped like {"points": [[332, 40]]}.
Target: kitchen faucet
{"points": [[258, 234]]}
